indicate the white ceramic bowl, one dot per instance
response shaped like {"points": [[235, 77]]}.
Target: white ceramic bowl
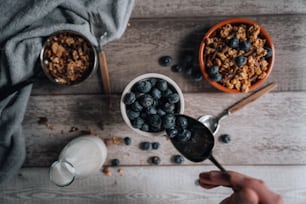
{"points": [[128, 89]]}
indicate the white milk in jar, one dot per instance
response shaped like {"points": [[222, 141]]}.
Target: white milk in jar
{"points": [[81, 157]]}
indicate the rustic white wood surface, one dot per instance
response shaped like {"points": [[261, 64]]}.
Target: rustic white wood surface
{"points": [[143, 185], [268, 136]]}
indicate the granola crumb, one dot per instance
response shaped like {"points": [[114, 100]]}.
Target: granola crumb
{"points": [[120, 171], [107, 171], [116, 140], [51, 127], [108, 141], [73, 129]]}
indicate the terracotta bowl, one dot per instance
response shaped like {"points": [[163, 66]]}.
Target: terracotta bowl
{"points": [[207, 59], [130, 87]]}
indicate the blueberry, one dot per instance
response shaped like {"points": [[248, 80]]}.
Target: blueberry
{"points": [[146, 100], [240, 60], [168, 121], [188, 69], [143, 115], [173, 98], [136, 106], [167, 92], [155, 129], [129, 98], [269, 52], [162, 85], [165, 61], [244, 45], [132, 114], [196, 75], [187, 57], [215, 77], [168, 107], [145, 145], [143, 86], [177, 68], [137, 123], [151, 110], [212, 70], [161, 112], [156, 93], [155, 160], [233, 43], [115, 162], [155, 145], [184, 135], [145, 127], [155, 121], [178, 159], [172, 132], [225, 138], [182, 122], [127, 140], [153, 81]]}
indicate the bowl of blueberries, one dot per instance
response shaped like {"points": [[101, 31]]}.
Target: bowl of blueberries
{"points": [[236, 55], [149, 103]]}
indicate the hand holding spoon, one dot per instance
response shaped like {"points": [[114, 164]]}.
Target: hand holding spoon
{"points": [[212, 123]]}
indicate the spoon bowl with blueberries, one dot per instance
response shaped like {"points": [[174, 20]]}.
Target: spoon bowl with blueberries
{"points": [[192, 139]]}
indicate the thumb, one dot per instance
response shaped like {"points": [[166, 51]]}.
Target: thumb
{"points": [[244, 196]]}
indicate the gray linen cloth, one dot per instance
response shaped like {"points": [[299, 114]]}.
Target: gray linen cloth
{"points": [[24, 24]]}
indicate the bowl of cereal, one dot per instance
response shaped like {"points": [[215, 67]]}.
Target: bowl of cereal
{"points": [[236, 55], [68, 58], [149, 102]]}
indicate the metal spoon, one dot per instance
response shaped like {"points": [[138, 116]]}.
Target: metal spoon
{"points": [[212, 123], [199, 145]]}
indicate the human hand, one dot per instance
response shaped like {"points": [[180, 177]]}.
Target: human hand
{"points": [[247, 190]]}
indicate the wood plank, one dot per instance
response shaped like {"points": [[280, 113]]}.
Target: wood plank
{"points": [[138, 51], [199, 8], [269, 131], [147, 185]]}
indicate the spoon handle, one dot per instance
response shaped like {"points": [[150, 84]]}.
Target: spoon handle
{"points": [[249, 99], [216, 163]]}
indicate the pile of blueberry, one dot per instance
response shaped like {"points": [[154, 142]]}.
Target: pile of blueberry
{"points": [[178, 129], [151, 104]]}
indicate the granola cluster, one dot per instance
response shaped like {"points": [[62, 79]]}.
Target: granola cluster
{"points": [[68, 58], [237, 56]]}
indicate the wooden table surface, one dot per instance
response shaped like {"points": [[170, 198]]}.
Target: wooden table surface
{"points": [[268, 136]]}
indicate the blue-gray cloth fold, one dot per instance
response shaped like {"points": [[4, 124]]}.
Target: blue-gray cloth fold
{"points": [[24, 24]]}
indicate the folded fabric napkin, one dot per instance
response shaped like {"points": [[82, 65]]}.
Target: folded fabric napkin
{"points": [[24, 24]]}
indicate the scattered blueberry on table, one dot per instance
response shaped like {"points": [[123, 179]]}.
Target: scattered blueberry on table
{"points": [[115, 162], [155, 160], [145, 146], [127, 140], [155, 145], [165, 61], [225, 138], [178, 159], [177, 68]]}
